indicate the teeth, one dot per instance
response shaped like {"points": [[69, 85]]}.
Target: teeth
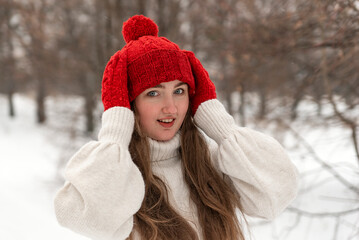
{"points": [[166, 120]]}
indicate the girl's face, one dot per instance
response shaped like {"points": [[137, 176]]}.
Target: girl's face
{"points": [[162, 109]]}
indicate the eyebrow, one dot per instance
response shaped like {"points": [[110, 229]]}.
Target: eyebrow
{"points": [[161, 86]]}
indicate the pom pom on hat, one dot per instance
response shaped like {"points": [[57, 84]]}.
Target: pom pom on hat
{"points": [[138, 26]]}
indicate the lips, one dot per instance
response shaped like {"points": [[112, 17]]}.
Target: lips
{"points": [[167, 122]]}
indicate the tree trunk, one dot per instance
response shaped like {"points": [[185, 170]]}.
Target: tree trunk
{"points": [[10, 80], [10, 96], [262, 104], [40, 100], [89, 106], [318, 100], [161, 18], [227, 85], [88, 86], [293, 109], [141, 7], [108, 27], [242, 112], [9, 73], [229, 100]]}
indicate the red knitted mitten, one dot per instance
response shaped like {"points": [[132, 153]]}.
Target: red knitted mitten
{"points": [[114, 82], [205, 89]]}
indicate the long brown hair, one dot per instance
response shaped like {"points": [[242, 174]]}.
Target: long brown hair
{"points": [[215, 199]]}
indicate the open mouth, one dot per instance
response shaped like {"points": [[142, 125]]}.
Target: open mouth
{"points": [[167, 123], [166, 120]]}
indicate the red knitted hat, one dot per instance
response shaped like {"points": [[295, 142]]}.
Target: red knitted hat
{"points": [[149, 60]]}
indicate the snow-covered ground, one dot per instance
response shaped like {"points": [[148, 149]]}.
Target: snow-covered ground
{"points": [[28, 170], [31, 156]]}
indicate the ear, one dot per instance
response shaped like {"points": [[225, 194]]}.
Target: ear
{"points": [[114, 82]]}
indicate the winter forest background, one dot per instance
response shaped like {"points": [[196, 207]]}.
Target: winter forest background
{"points": [[289, 68]]}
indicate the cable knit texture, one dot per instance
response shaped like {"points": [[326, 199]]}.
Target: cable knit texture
{"points": [[214, 120], [111, 131], [156, 65], [104, 188], [205, 89], [114, 82]]}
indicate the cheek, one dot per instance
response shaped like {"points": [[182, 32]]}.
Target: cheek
{"points": [[143, 114], [183, 107]]}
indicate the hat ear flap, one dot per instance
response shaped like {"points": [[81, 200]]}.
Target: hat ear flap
{"points": [[204, 87], [114, 82], [199, 73]]}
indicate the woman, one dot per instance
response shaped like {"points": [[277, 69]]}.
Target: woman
{"points": [[152, 174]]}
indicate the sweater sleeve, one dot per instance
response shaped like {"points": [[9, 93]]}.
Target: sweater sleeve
{"points": [[261, 172], [103, 188]]}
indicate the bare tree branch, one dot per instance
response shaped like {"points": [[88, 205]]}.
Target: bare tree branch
{"points": [[323, 214], [320, 161]]}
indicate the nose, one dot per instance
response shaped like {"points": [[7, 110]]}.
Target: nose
{"points": [[169, 105]]}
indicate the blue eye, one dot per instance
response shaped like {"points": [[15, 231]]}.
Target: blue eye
{"points": [[152, 94], [179, 91]]}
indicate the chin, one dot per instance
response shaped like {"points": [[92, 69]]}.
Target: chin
{"points": [[164, 137]]}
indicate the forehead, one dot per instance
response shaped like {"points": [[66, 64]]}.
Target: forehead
{"points": [[171, 84]]}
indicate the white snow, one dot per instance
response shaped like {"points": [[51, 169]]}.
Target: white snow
{"points": [[32, 158], [28, 170]]}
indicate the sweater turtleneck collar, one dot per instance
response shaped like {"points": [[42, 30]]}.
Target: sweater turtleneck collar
{"points": [[160, 151]]}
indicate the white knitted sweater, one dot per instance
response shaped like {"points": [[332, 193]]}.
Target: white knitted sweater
{"points": [[104, 188]]}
